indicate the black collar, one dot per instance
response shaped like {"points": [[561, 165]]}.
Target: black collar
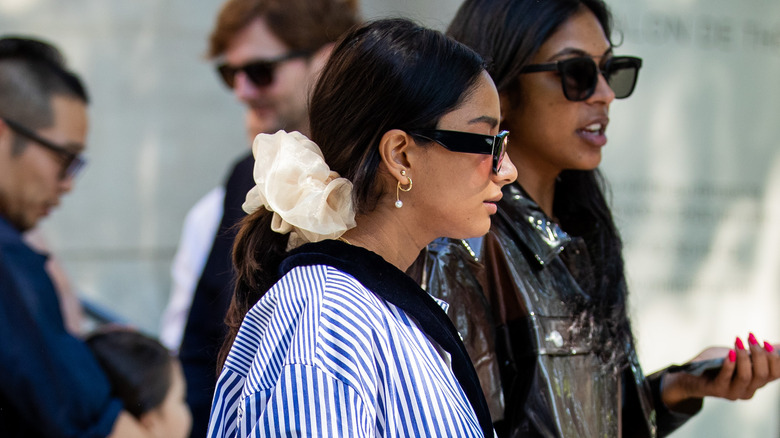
{"points": [[397, 288]]}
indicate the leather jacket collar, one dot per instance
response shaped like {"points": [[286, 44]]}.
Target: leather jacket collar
{"points": [[544, 237]]}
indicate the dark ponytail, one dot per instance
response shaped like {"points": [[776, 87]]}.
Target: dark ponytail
{"points": [[257, 253]]}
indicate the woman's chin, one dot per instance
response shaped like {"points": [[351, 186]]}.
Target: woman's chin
{"points": [[477, 232]]}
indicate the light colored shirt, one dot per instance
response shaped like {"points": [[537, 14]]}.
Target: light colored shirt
{"points": [[197, 236], [321, 355]]}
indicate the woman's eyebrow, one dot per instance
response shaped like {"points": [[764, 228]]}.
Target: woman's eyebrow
{"points": [[492, 121], [576, 52], [568, 51]]}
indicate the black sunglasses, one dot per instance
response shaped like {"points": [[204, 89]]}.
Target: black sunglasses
{"points": [[469, 142], [579, 76], [71, 163], [260, 72]]}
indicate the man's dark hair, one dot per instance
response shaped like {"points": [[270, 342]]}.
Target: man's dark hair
{"points": [[31, 73]]}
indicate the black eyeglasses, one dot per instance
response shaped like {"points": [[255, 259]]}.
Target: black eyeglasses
{"points": [[260, 72], [469, 142], [72, 163], [579, 76]]}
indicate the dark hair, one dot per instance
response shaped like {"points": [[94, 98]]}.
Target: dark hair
{"points": [[299, 24], [31, 73], [507, 33], [384, 75], [138, 367]]}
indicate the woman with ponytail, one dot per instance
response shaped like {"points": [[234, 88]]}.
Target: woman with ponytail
{"points": [[328, 335]]}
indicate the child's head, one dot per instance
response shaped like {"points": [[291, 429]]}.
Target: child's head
{"points": [[147, 378]]}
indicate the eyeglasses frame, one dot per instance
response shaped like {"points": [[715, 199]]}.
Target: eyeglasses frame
{"points": [[73, 162], [560, 65]]}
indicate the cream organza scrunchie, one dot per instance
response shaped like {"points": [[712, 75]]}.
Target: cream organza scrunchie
{"points": [[293, 181]]}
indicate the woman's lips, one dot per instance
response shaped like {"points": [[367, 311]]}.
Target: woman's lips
{"points": [[490, 204], [594, 133]]}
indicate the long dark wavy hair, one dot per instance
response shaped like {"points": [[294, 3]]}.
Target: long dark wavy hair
{"points": [[387, 74], [507, 33]]}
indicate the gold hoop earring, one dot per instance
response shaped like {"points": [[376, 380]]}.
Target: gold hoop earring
{"points": [[398, 202]]}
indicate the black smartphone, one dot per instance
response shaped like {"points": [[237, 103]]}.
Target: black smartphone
{"points": [[700, 367]]}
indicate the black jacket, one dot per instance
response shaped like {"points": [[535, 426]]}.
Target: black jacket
{"points": [[510, 299]]}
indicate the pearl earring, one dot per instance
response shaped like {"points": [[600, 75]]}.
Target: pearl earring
{"points": [[398, 202]]}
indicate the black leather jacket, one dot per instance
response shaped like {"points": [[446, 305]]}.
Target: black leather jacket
{"points": [[509, 294]]}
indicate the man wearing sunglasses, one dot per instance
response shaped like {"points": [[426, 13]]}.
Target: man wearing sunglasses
{"points": [[51, 384], [268, 53]]}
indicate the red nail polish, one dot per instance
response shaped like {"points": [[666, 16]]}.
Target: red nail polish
{"points": [[768, 347], [752, 339], [732, 356], [739, 344]]}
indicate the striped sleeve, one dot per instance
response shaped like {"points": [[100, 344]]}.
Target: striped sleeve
{"points": [[224, 412], [305, 402]]}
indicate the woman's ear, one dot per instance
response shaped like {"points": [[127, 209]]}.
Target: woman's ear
{"points": [[397, 150]]}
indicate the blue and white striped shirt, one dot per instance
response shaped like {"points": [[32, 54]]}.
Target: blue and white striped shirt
{"points": [[321, 355]]}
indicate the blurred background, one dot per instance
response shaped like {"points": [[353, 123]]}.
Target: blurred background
{"points": [[693, 162]]}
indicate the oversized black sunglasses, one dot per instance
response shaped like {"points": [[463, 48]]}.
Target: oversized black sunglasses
{"points": [[72, 163], [260, 72], [469, 142], [579, 76]]}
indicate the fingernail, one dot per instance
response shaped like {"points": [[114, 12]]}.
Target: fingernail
{"points": [[752, 339], [739, 344], [732, 356], [768, 347]]}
